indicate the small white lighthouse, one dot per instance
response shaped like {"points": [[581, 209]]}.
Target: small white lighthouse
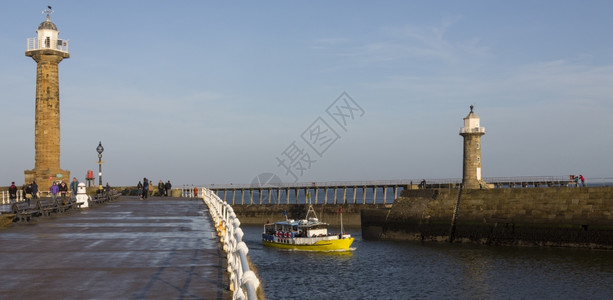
{"points": [[472, 132]]}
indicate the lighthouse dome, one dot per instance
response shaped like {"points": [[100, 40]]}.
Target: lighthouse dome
{"points": [[47, 24]]}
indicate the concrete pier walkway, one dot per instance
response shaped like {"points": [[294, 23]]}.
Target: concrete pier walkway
{"points": [[160, 248]]}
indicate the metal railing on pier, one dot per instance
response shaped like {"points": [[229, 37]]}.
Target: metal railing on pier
{"points": [[374, 191], [5, 199], [242, 279]]}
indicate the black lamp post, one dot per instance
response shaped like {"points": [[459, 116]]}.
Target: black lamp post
{"points": [[100, 149]]}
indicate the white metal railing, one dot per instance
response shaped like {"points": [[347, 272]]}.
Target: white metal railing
{"points": [[230, 234], [189, 192], [6, 200], [49, 43], [472, 130]]}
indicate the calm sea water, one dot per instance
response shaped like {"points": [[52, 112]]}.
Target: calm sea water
{"points": [[415, 270]]}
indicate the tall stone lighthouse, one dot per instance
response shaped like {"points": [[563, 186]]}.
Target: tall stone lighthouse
{"points": [[48, 51], [472, 133]]}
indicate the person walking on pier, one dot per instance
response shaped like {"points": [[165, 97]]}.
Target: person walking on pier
{"points": [[167, 188], [54, 189], [582, 180], [139, 187], [150, 188], [145, 189], [161, 188], [28, 190], [34, 190], [13, 192]]}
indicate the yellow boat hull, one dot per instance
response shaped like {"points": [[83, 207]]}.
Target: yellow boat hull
{"points": [[324, 245]]}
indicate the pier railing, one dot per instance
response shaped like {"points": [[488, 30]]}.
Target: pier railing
{"points": [[431, 182], [242, 279], [374, 191]]}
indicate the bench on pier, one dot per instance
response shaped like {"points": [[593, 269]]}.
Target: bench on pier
{"points": [[46, 206], [23, 212], [104, 196], [65, 204], [114, 195]]}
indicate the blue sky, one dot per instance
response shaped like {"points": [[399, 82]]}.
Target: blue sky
{"points": [[201, 92]]}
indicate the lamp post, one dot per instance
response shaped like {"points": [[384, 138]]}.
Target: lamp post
{"points": [[100, 149]]}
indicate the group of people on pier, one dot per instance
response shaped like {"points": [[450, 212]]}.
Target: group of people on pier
{"points": [[576, 179], [145, 188], [30, 190]]}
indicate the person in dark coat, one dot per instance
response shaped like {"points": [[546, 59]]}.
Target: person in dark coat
{"points": [[63, 190], [139, 187], [34, 190], [161, 188], [13, 192], [28, 189], [167, 188], [145, 188]]}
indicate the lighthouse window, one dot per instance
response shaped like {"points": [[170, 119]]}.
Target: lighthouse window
{"points": [[478, 158], [478, 145]]}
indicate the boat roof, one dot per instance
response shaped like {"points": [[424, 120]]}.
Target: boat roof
{"points": [[300, 223]]}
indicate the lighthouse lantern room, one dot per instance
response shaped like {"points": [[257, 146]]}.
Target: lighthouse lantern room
{"points": [[47, 36]]}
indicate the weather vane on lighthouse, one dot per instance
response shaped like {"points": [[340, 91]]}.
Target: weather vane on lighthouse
{"points": [[48, 11]]}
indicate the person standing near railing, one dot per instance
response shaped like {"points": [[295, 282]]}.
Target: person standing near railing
{"points": [[13, 192]]}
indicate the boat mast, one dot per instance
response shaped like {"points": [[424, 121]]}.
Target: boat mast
{"points": [[340, 211], [308, 198]]}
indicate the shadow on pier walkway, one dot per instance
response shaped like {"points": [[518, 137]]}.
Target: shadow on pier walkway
{"points": [[160, 248]]}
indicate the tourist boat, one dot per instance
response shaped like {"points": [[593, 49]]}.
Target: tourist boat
{"points": [[308, 234]]}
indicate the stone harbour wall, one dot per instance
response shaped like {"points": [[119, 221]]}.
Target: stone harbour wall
{"points": [[259, 214], [553, 216]]}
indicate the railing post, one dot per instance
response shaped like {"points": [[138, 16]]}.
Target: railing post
{"points": [[384, 194], [364, 194], [374, 194], [326, 195]]}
